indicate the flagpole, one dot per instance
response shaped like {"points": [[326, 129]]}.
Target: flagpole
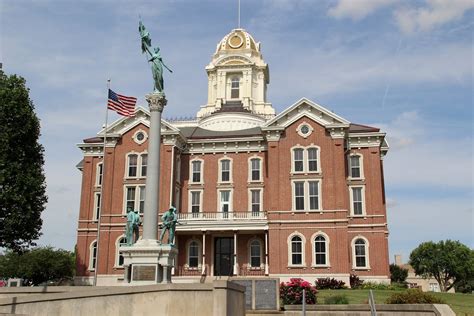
{"points": [[96, 268]]}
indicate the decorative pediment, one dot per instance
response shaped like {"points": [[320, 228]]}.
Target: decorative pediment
{"points": [[307, 108], [125, 124], [233, 60]]}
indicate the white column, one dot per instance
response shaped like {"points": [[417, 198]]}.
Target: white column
{"points": [[235, 254], [203, 253], [266, 252]]}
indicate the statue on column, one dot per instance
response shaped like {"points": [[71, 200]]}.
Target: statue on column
{"points": [[169, 219], [154, 57]]}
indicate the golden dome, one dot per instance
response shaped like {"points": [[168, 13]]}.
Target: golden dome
{"points": [[238, 39]]}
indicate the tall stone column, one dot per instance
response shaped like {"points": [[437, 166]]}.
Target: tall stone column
{"points": [[156, 102]]}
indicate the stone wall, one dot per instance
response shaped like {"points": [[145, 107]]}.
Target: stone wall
{"points": [[220, 298]]}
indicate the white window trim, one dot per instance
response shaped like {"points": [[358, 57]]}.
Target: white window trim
{"points": [[310, 128], [135, 139], [117, 251], [139, 164], [96, 207], [313, 250], [136, 205], [190, 199], [367, 260], [191, 171], [231, 163], [306, 195], [91, 268], [361, 166], [249, 190], [250, 169], [188, 244], [351, 200], [303, 252], [306, 159], [97, 174], [231, 197], [249, 243]]}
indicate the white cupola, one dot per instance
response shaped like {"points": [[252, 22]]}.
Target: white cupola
{"points": [[237, 78]]}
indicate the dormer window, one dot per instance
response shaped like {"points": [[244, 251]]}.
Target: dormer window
{"points": [[234, 87]]}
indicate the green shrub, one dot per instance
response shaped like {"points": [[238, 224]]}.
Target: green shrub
{"points": [[382, 286], [413, 296], [398, 274], [291, 293], [336, 299]]}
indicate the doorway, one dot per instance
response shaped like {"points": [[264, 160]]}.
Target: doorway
{"points": [[223, 256]]}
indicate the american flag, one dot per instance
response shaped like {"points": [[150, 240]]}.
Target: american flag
{"points": [[121, 104]]}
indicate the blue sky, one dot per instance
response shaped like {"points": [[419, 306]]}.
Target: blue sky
{"points": [[405, 66]]}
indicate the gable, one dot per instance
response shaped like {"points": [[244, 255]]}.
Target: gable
{"points": [[309, 109], [125, 124]]}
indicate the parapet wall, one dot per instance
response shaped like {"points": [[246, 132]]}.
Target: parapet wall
{"points": [[220, 298]]}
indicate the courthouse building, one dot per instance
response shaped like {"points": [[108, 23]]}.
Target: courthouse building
{"points": [[294, 194]]}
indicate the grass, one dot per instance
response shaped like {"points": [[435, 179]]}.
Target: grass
{"points": [[462, 304]]}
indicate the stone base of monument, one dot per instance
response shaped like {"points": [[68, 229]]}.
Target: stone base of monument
{"points": [[148, 262]]}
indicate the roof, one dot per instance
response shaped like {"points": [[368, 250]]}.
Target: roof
{"points": [[197, 133], [93, 140], [354, 128]]}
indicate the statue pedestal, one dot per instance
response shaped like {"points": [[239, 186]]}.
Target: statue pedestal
{"points": [[148, 262]]}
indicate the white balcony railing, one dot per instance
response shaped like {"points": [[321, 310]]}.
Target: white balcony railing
{"points": [[222, 216]]}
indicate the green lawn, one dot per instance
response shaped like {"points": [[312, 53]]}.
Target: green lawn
{"points": [[462, 304]]}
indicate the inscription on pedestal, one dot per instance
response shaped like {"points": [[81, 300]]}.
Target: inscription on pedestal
{"points": [[143, 273], [266, 295]]}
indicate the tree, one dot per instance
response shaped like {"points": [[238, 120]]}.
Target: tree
{"points": [[22, 181], [449, 262], [38, 265], [398, 274]]}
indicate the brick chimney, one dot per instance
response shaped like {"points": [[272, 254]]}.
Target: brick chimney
{"points": [[398, 260]]}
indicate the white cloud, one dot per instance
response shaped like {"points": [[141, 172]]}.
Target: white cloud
{"points": [[357, 10], [435, 14]]}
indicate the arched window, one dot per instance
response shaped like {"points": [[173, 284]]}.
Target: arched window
{"points": [[196, 169], [132, 165], [255, 253], [360, 253], [93, 255], [312, 159], [119, 258], [144, 164], [296, 250], [355, 166], [234, 88], [320, 250], [298, 158], [255, 169], [193, 254]]}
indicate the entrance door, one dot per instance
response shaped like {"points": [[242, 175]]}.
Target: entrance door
{"points": [[223, 256]]}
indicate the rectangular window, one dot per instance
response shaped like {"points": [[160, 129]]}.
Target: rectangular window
{"points": [[96, 206], [299, 196], [141, 207], [355, 166], [225, 170], [357, 201], [132, 165], [130, 202], [255, 202], [196, 167], [234, 88], [225, 203], [195, 203], [193, 255], [312, 159], [313, 195], [360, 255], [144, 164], [255, 164], [298, 159], [320, 251]]}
